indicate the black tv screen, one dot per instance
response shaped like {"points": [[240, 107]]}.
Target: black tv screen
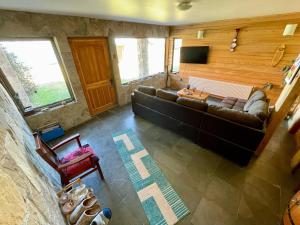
{"points": [[195, 55]]}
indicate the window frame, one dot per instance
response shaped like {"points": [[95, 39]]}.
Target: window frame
{"points": [[172, 71], [150, 75], [62, 68]]}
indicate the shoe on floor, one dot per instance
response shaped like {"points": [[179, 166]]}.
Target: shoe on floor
{"points": [[103, 217], [75, 200], [83, 206], [66, 195], [88, 215]]}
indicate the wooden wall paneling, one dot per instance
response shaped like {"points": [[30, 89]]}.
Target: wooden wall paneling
{"points": [[251, 62], [282, 107]]}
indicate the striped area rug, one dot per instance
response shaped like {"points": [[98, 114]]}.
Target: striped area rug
{"points": [[161, 203]]}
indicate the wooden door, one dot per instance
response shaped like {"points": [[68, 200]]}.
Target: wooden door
{"points": [[92, 61]]}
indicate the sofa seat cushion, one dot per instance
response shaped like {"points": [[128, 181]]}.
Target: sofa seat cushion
{"points": [[257, 95], [233, 103], [236, 116], [259, 108], [192, 103], [166, 95], [149, 90], [238, 108]]}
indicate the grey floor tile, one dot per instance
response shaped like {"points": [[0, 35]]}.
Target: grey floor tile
{"points": [[210, 213], [259, 192], [215, 190], [224, 195]]}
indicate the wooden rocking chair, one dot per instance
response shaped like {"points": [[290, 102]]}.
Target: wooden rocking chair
{"points": [[76, 164]]}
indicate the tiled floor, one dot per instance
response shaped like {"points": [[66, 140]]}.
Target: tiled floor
{"points": [[217, 191]]}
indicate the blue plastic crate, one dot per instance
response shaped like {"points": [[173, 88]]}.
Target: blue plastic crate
{"points": [[52, 134]]}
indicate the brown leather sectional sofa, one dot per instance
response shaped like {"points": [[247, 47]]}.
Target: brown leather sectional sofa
{"points": [[202, 123]]}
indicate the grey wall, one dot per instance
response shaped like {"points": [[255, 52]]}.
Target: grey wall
{"points": [[22, 24]]}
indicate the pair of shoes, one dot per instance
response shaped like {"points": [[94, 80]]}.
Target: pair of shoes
{"points": [[65, 196], [75, 199], [103, 217], [87, 203], [88, 215]]}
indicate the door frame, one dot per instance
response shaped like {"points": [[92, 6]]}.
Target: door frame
{"points": [[113, 83]]}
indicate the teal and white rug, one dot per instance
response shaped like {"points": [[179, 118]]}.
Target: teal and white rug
{"points": [[161, 203]]}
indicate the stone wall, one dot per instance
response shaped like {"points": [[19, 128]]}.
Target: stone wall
{"points": [[22, 24], [27, 196]]}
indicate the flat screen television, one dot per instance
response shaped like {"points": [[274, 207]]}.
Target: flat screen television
{"points": [[195, 55]]}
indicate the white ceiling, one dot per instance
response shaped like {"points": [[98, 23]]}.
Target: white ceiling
{"points": [[156, 11]]}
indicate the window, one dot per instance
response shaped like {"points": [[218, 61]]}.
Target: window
{"points": [[176, 55], [32, 69], [140, 57]]}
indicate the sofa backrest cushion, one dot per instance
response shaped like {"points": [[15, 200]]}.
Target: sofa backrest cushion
{"points": [[192, 103], [257, 95], [228, 102], [259, 108], [149, 90], [236, 116], [166, 95], [182, 113], [233, 103], [239, 105]]}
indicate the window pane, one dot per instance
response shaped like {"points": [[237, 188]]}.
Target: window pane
{"points": [[156, 55], [140, 57], [127, 51], [33, 70], [176, 55]]}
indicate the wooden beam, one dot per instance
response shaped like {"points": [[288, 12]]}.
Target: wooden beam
{"points": [[282, 107]]}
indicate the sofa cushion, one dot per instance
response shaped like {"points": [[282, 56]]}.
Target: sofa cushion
{"points": [[147, 90], [257, 95], [260, 109], [238, 108], [239, 105], [228, 102], [166, 95], [192, 103], [241, 101], [236, 116], [80, 167], [233, 103]]}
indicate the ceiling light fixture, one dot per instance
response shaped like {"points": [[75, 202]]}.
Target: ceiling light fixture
{"points": [[184, 5]]}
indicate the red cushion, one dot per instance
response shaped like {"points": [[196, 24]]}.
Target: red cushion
{"points": [[82, 166]]}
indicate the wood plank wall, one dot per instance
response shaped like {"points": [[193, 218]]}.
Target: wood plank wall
{"points": [[251, 62]]}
